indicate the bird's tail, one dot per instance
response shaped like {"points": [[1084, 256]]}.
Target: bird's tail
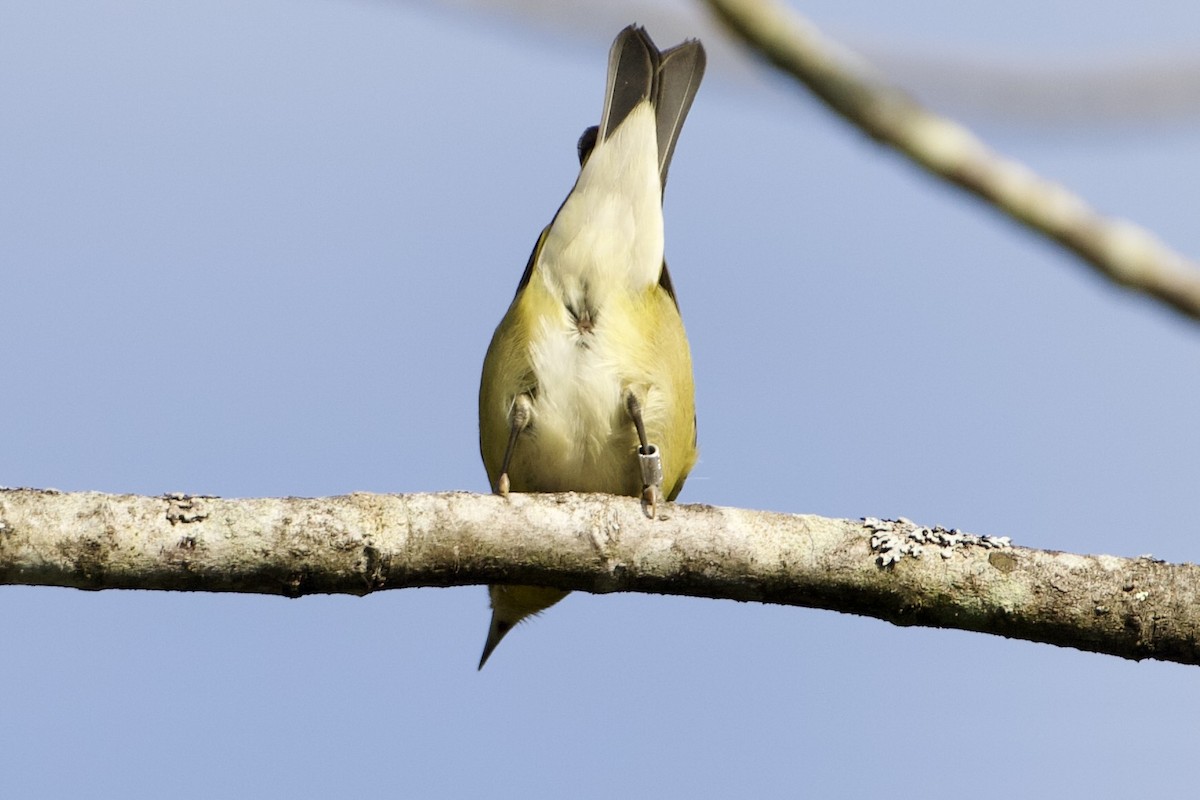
{"points": [[510, 605], [638, 71]]}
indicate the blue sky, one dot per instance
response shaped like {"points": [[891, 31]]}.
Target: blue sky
{"points": [[258, 248]]}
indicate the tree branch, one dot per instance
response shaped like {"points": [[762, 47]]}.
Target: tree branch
{"points": [[1119, 250], [895, 571]]}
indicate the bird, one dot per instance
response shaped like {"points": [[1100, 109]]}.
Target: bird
{"points": [[587, 383]]}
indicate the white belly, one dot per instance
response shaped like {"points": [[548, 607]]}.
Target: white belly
{"points": [[581, 437]]}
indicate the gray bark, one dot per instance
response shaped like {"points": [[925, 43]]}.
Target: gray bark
{"points": [[893, 570]]}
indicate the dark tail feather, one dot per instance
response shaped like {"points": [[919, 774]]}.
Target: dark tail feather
{"points": [[679, 77], [632, 69], [638, 71]]}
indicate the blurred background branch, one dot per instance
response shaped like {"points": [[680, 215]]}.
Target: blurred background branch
{"points": [[1120, 251]]}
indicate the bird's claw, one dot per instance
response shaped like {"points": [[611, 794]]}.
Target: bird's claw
{"points": [[650, 497]]}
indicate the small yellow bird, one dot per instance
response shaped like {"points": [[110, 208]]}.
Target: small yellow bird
{"points": [[587, 384]]}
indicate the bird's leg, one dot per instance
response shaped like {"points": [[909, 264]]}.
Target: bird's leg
{"points": [[648, 457], [518, 419]]}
